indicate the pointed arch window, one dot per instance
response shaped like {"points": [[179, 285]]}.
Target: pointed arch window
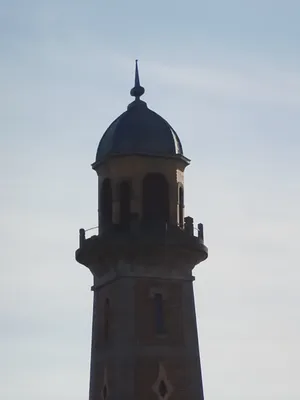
{"points": [[106, 203], [159, 313], [155, 199], [125, 199], [181, 206]]}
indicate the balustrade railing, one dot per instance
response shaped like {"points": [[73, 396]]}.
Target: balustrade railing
{"points": [[189, 228]]}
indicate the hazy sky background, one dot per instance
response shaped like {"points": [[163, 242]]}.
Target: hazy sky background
{"points": [[225, 74]]}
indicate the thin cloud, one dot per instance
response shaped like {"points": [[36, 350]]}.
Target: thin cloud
{"points": [[266, 86]]}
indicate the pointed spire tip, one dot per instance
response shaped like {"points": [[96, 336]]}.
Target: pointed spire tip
{"points": [[137, 91]]}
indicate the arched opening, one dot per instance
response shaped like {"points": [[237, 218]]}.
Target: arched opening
{"points": [[125, 199], [159, 314], [106, 203], [155, 200], [181, 206]]}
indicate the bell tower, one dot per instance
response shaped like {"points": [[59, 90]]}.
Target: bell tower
{"points": [[144, 335]]}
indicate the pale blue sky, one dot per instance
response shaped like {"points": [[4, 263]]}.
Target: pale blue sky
{"points": [[225, 74]]}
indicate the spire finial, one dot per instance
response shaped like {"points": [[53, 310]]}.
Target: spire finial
{"points": [[137, 91]]}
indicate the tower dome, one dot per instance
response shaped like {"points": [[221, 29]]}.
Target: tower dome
{"points": [[139, 131]]}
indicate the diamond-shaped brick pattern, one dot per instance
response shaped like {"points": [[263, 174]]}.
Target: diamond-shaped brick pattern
{"points": [[104, 391], [162, 386]]}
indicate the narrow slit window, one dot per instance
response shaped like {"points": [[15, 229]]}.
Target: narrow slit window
{"points": [[181, 206], [106, 320], [159, 313]]}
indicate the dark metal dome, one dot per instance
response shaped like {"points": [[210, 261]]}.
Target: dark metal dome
{"points": [[139, 130]]}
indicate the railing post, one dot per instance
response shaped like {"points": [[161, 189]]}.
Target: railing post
{"points": [[81, 237], [200, 232], [189, 226]]}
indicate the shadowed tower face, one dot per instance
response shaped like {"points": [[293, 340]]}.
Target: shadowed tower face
{"points": [[144, 338]]}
